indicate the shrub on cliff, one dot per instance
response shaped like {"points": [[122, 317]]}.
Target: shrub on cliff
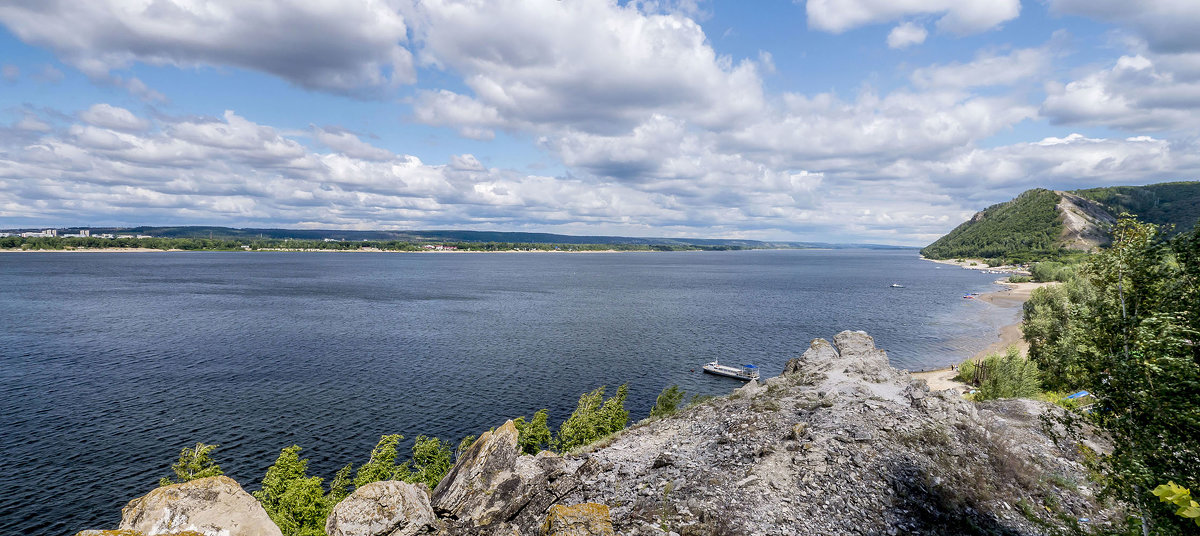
{"points": [[292, 499], [431, 460], [382, 465], [667, 402], [593, 419], [193, 463], [1008, 375], [533, 436]]}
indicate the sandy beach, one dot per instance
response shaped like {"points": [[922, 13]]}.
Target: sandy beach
{"points": [[1013, 295]]}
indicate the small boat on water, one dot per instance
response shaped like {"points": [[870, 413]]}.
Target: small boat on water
{"points": [[744, 372], [897, 285]]}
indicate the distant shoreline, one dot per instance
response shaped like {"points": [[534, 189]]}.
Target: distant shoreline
{"points": [[1013, 295], [360, 250]]}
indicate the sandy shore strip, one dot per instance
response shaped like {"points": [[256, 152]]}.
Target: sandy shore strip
{"points": [[1013, 295]]}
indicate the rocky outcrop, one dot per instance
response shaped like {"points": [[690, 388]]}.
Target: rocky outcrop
{"points": [[843, 444], [131, 533], [1086, 223], [588, 519], [214, 506], [387, 508], [493, 489], [840, 444]]}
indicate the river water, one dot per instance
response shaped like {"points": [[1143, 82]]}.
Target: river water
{"points": [[110, 363]]}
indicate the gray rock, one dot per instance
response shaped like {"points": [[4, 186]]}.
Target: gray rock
{"points": [[492, 489], [387, 508], [214, 506]]}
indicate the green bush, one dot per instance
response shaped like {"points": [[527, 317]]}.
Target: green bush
{"points": [[193, 463], [533, 436], [382, 465], [431, 460], [1052, 271], [292, 499], [1007, 375], [1019, 279], [667, 402], [592, 419]]}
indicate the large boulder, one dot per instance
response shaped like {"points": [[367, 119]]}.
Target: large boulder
{"points": [[387, 508], [587, 519], [493, 489], [213, 506]]}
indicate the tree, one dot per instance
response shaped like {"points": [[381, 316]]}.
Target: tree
{"points": [[339, 487], [667, 402], [193, 463], [593, 419], [534, 436], [613, 415], [292, 499], [1139, 355], [431, 460], [382, 465]]}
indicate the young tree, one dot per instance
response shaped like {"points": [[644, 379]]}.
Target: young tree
{"points": [[533, 436], [593, 419], [193, 463], [382, 465], [667, 402], [292, 499], [613, 415], [431, 460]]}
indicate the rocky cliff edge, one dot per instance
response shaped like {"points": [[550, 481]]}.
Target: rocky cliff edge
{"points": [[841, 443]]}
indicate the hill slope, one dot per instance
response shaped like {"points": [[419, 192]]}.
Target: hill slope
{"points": [[1043, 223]]}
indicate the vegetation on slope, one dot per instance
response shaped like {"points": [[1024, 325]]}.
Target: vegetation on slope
{"points": [[1030, 227], [1174, 204], [1126, 328], [1026, 227]]}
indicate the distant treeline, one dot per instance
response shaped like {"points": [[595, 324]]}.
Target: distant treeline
{"points": [[275, 244]]}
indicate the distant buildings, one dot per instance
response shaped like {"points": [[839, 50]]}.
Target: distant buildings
{"points": [[52, 233]]}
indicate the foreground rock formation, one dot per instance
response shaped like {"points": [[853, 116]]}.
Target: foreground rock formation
{"points": [[210, 506], [840, 444]]}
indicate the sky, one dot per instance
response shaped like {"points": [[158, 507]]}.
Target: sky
{"points": [[875, 121]]}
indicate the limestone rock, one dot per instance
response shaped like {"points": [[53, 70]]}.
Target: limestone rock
{"points": [[587, 519], [213, 506], [119, 532], [751, 389], [492, 489], [385, 508]]}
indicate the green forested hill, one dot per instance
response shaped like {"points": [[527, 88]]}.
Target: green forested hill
{"points": [[1169, 203], [1032, 226], [1028, 224]]}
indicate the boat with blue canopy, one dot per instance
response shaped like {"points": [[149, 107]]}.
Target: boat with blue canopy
{"points": [[744, 372]]}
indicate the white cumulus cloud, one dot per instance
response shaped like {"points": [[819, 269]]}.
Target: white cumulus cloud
{"points": [[906, 35], [347, 47], [956, 16]]}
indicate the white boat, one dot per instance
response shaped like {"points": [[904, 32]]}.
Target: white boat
{"points": [[744, 372], [897, 285]]}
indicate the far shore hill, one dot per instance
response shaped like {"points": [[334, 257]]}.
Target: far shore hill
{"points": [[151, 237]]}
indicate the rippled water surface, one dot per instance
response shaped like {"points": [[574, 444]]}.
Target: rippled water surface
{"points": [[110, 363]]}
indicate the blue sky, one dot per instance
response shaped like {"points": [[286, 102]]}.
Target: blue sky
{"points": [[885, 121]]}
